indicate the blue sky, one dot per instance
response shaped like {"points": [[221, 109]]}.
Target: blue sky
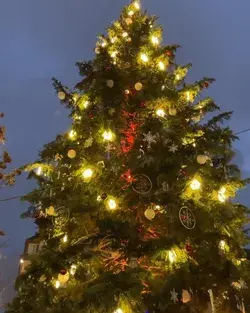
{"points": [[41, 39]]}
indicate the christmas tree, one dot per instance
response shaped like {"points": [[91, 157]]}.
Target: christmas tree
{"points": [[135, 203]]}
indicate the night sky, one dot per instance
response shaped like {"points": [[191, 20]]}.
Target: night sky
{"points": [[41, 39]]}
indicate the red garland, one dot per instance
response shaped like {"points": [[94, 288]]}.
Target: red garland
{"points": [[127, 143]]}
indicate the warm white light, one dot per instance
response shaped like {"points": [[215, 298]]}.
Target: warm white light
{"points": [[72, 134], [118, 311], [113, 39], [188, 96], [155, 40], [57, 284], [221, 194], [195, 184], [72, 270], [99, 198], [113, 54], [222, 244], [112, 204], [177, 76], [137, 5], [39, 171], [125, 34], [86, 104], [65, 238], [161, 65], [131, 13], [144, 57], [21, 261], [127, 92], [171, 256], [104, 44], [88, 173], [108, 135], [160, 112]]}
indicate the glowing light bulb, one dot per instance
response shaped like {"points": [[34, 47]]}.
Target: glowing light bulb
{"points": [[104, 44], [155, 40], [177, 77], [88, 173], [118, 311], [221, 194], [39, 171], [112, 204], [65, 238], [188, 95], [72, 134], [161, 66], [160, 112], [113, 54], [108, 135], [86, 104], [171, 256], [137, 5], [144, 57], [195, 184], [72, 270], [222, 244], [127, 92], [99, 198], [21, 261], [131, 13], [113, 39], [57, 284], [125, 34]]}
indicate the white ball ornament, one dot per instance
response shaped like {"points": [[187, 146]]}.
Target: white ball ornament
{"points": [[202, 159], [149, 214], [110, 83], [71, 154], [172, 111], [63, 278], [97, 50], [138, 86], [61, 95]]}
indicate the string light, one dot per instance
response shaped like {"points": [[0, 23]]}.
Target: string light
{"points": [[72, 270], [155, 40], [131, 13], [161, 66], [21, 261], [99, 198], [112, 205], [137, 5], [57, 284], [160, 112], [172, 256], [108, 135], [144, 57], [195, 184], [188, 96], [222, 244], [221, 194], [113, 54], [118, 311], [72, 134], [104, 44], [39, 171], [113, 39], [125, 34], [177, 77], [86, 104], [88, 173], [65, 238]]}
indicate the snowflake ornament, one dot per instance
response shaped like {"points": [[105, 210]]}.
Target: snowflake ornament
{"points": [[173, 148], [174, 296], [149, 138]]}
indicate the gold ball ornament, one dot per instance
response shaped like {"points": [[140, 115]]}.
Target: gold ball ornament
{"points": [[172, 111], [138, 86], [202, 159], [63, 278], [128, 20], [110, 83], [50, 211], [61, 95], [71, 154], [42, 279], [97, 50], [149, 214]]}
